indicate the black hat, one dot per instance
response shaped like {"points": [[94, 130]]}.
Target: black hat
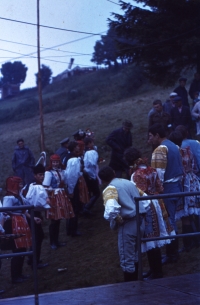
{"points": [[65, 140], [182, 79], [38, 169], [80, 133], [127, 124], [177, 98]]}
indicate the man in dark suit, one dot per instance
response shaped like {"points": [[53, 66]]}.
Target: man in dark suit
{"points": [[180, 114], [182, 92]]}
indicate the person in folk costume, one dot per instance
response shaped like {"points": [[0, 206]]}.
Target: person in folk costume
{"points": [[79, 138], [77, 190], [16, 224], [120, 211], [156, 218], [190, 206], [36, 195], [61, 208], [90, 173]]}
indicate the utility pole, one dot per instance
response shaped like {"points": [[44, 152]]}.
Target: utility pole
{"points": [[39, 79]]}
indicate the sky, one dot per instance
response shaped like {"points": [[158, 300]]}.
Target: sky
{"points": [[79, 15]]}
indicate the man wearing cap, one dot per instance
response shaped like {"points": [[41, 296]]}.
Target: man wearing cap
{"points": [[63, 150], [182, 92], [119, 140], [180, 114], [168, 105]]}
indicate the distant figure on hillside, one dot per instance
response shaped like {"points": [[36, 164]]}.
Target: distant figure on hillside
{"points": [[22, 162], [119, 140], [182, 92], [168, 104], [180, 114], [63, 150], [159, 116]]}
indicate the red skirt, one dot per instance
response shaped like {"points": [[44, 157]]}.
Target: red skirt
{"points": [[20, 226], [61, 206]]}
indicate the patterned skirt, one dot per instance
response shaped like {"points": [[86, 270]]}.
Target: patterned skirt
{"points": [[61, 206], [189, 205], [20, 226]]}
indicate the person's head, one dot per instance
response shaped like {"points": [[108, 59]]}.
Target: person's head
{"points": [[38, 172], [13, 185], [176, 137], [106, 174], [20, 143], [65, 142], [172, 96], [177, 101], [131, 155], [127, 125], [183, 130], [55, 161], [157, 105], [74, 148], [156, 134], [79, 135], [89, 143], [182, 81]]}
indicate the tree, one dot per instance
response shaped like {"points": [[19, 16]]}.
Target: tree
{"points": [[13, 73], [167, 32], [105, 50], [45, 76]]}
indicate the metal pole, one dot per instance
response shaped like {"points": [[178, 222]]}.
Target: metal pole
{"points": [[39, 78], [140, 277]]}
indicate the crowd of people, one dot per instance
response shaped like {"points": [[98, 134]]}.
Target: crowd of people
{"points": [[70, 186]]}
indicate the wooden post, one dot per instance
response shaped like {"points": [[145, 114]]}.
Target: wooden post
{"points": [[39, 79]]}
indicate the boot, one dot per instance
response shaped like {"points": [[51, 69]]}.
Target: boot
{"points": [[171, 252], [131, 276], [187, 241], [155, 263]]}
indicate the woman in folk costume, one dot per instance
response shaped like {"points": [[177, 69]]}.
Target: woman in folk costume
{"points": [[78, 192], [16, 224], [156, 218], [191, 204], [61, 208]]}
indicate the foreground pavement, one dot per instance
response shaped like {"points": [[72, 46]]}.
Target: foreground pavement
{"points": [[183, 290]]}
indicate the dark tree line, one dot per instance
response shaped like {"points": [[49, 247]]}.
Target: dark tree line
{"points": [[163, 36]]}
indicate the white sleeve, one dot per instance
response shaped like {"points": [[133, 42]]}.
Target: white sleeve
{"points": [[72, 173], [161, 173], [47, 178], [112, 209], [37, 196]]}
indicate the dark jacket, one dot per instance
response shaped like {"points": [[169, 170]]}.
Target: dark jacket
{"points": [[62, 152], [182, 92], [183, 118], [194, 87], [22, 157], [119, 141], [162, 118]]}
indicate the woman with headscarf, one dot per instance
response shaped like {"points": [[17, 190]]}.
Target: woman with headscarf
{"points": [[16, 224], [61, 208]]}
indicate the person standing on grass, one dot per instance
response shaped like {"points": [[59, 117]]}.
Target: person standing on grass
{"points": [[22, 162], [61, 208], [167, 161], [120, 210], [63, 150], [119, 140]]}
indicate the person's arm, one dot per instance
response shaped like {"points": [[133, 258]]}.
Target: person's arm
{"points": [[112, 207], [195, 111]]}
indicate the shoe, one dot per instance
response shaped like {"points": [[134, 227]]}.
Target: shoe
{"points": [[41, 266], [61, 244], [154, 276], [18, 280], [147, 274], [54, 247]]}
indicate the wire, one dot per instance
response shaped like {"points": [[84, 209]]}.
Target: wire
{"points": [[113, 2], [49, 27]]}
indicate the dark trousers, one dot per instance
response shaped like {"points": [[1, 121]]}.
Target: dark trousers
{"points": [[17, 264], [54, 228], [94, 191]]}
